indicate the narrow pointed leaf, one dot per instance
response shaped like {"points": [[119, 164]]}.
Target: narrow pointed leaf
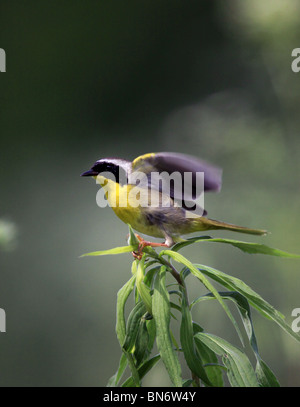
{"points": [[188, 242], [264, 374], [152, 334], [211, 364], [132, 239], [142, 370], [161, 314], [122, 297], [149, 277], [247, 247], [114, 380], [141, 343], [142, 288], [239, 369], [115, 250], [187, 343], [132, 327], [181, 259], [136, 381], [209, 359], [262, 306], [187, 382]]}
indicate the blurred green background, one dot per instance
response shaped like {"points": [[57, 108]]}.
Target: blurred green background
{"points": [[90, 79]]}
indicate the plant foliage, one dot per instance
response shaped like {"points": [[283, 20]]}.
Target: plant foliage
{"points": [[208, 357]]}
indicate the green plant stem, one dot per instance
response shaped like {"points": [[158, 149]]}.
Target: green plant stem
{"points": [[181, 282], [152, 253], [184, 291], [196, 380], [134, 371]]}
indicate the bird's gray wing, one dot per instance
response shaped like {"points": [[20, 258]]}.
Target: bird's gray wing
{"points": [[185, 168]]}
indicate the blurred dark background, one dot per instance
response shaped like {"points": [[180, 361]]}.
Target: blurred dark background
{"points": [[92, 79]]}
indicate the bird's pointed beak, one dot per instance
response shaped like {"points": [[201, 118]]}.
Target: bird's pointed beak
{"points": [[89, 173]]}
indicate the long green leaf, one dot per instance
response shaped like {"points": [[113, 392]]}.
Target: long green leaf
{"points": [[211, 364], [142, 288], [142, 370], [115, 250], [187, 242], [265, 375], [247, 247], [149, 277], [161, 314], [187, 342], [136, 381], [181, 259], [210, 359], [114, 380], [239, 369], [141, 343], [187, 382], [122, 297], [151, 328], [132, 328], [235, 284], [244, 309]]}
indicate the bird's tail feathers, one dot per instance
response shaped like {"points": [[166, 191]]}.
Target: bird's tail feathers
{"points": [[215, 224]]}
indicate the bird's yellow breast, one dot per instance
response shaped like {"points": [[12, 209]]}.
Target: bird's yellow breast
{"points": [[127, 201]]}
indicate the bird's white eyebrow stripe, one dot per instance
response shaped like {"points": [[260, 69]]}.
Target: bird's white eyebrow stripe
{"points": [[117, 161]]}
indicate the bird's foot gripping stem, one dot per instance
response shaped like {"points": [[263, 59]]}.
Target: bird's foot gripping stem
{"points": [[144, 243]]}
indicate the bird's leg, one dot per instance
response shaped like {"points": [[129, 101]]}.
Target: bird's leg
{"points": [[144, 243], [138, 254]]}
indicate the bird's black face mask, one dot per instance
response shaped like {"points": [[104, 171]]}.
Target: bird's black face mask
{"points": [[109, 170]]}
